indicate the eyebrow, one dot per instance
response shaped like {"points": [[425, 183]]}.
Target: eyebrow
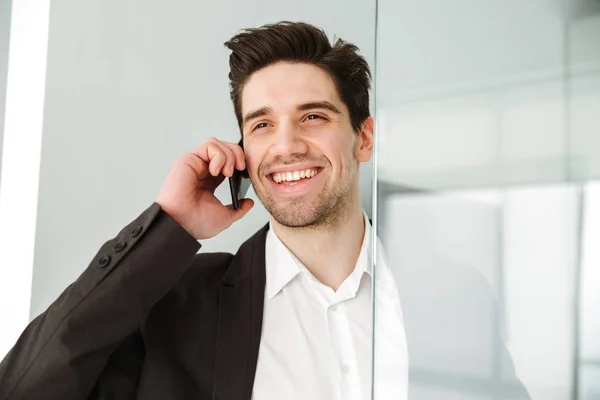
{"points": [[319, 104], [261, 112]]}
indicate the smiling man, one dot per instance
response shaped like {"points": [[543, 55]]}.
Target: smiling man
{"points": [[289, 316], [303, 157], [303, 110]]}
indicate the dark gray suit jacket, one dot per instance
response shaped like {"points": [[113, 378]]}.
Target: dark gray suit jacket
{"points": [[150, 319]]}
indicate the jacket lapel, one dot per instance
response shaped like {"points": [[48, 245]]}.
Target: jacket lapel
{"points": [[241, 304]]}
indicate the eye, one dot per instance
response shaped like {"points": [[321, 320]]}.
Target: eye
{"points": [[260, 126], [313, 116]]}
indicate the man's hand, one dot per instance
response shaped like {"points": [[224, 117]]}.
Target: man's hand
{"points": [[187, 194]]}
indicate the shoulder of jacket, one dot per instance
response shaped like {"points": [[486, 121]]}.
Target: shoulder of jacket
{"points": [[210, 265], [203, 275]]}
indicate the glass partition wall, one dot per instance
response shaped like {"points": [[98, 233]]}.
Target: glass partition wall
{"points": [[488, 195]]}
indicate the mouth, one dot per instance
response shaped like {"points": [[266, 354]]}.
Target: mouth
{"points": [[295, 182], [292, 177]]}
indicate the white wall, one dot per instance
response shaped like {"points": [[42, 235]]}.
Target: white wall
{"points": [[5, 6], [130, 86]]}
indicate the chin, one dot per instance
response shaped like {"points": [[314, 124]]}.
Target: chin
{"points": [[316, 210], [297, 216], [308, 213]]}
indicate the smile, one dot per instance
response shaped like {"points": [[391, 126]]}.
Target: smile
{"points": [[291, 176]]}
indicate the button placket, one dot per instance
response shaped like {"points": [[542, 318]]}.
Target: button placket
{"points": [[346, 368]]}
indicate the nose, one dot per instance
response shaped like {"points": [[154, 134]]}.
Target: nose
{"points": [[287, 141]]}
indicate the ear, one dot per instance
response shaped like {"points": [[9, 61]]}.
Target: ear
{"points": [[363, 149]]}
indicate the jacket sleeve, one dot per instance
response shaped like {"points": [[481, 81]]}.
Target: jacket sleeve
{"points": [[62, 352]]}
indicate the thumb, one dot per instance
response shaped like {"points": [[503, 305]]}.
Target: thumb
{"points": [[245, 206]]}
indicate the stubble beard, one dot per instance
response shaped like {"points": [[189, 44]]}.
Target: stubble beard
{"points": [[325, 211]]}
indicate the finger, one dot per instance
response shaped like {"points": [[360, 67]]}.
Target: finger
{"points": [[227, 169], [217, 164], [202, 170], [213, 155], [240, 158], [217, 160], [198, 165], [207, 150]]}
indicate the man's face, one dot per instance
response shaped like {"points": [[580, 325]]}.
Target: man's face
{"points": [[302, 154]]}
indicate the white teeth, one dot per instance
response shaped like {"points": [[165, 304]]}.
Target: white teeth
{"points": [[293, 176]]}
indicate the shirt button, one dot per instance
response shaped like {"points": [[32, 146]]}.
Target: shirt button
{"points": [[333, 308], [346, 368]]}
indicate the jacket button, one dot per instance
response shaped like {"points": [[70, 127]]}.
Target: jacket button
{"points": [[119, 247], [136, 231], [104, 261]]}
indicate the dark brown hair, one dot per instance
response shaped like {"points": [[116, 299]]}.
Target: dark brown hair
{"points": [[297, 42]]}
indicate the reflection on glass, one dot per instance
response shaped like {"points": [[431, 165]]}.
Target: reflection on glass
{"points": [[589, 351], [488, 202]]}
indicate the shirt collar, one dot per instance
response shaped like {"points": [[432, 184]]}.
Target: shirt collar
{"points": [[282, 266]]}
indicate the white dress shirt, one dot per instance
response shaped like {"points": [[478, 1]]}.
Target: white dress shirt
{"points": [[316, 343]]}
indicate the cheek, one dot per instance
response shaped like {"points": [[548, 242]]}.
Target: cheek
{"points": [[343, 152], [253, 162], [252, 168]]}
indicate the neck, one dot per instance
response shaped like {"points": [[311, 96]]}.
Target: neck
{"points": [[329, 252]]}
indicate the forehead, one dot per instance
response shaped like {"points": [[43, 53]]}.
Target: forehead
{"points": [[283, 86]]}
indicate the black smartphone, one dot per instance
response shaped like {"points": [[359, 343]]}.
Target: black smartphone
{"points": [[239, 184]]}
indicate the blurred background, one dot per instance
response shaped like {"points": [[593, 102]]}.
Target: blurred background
{"points": [[489, 158], [487, 167]]}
